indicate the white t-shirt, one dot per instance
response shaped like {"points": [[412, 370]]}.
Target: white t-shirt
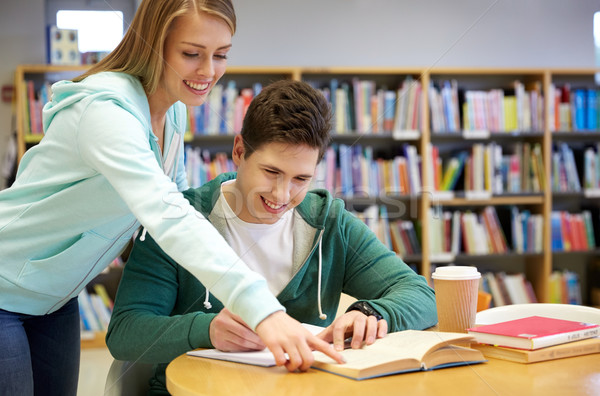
{"points": [[265, 248]]}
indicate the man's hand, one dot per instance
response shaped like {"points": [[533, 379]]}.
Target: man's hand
{"points": [[357, 325], [283, 334], [229, 333]]}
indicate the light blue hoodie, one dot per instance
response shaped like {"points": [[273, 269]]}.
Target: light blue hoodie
{"points": [[80, 193]]}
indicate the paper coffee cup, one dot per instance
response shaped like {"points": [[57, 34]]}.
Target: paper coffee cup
{"points": [[456, 290]]}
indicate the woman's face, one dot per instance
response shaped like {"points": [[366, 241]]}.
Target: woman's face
{"points": [[195, 59]]}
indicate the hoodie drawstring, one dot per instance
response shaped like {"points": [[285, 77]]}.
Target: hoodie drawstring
{"points": [[207, 303], [143, 236], [322, 316]]}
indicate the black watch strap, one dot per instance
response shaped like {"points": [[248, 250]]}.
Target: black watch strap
{"points": [[365, 308]]}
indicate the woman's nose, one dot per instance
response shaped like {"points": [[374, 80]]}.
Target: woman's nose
{"points": [[206, 68]]}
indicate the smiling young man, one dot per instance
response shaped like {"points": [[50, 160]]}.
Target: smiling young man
{"points": [[305, 244]]}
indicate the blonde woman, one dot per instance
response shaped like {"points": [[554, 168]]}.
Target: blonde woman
{"points": [[112, 160]]}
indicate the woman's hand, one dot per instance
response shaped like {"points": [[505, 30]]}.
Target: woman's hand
{"points": [[282, 334], [229, 333], [357, 325]]}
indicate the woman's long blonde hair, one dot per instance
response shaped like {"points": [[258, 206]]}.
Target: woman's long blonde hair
{"points": [[140, 52]]}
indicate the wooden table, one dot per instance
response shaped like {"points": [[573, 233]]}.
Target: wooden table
{"points": [[192, 376]]}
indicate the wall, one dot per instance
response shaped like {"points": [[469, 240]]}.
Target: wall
{"points": [[478, 33], [509, 33]]}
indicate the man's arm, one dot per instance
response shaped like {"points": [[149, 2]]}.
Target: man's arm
{"points": [[378, 276], [398, 296]]}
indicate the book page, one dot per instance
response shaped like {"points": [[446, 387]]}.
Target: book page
{"points": [[451, 354], [258, 358]]}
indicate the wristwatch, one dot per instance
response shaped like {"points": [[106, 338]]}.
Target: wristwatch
{"points": [[365, 308]]}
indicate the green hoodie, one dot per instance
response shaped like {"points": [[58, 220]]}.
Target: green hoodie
{"points": [[83, 191], [159, 311]]}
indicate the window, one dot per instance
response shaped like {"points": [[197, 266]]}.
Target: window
{"points": [[98, 31]]}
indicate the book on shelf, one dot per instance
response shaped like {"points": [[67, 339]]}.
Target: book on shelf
{"points": [[223, 111], [408, 108], [565, 288], [570, 349], [518, 109], [95, 309], [564, 170], [353, 171], [573, 109], [400, 352], [466, 232], [526, 230], [533, 332], [201, 168], [443, 100], [507, 289], [452, 172], [572, 231], [403, 237], [591, 178], [490, 168]]}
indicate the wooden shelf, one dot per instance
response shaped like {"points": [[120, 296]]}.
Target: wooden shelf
{"points": [[538, 266], [494, 201]]}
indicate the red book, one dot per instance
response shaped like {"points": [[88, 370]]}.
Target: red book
{"points": [[566, 230], [534, 332]]}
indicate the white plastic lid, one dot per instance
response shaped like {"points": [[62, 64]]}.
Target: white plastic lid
{"points": [[456, 272]]}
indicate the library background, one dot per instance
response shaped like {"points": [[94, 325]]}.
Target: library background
{"points": [[487, 156]]}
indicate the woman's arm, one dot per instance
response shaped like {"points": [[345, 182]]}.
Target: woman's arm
{"points": [[118, 148]]}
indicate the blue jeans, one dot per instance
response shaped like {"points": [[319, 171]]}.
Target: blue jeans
{"points": [[39, 355]]}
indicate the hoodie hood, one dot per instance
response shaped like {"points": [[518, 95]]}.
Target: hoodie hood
{"points": [[124, 89]]}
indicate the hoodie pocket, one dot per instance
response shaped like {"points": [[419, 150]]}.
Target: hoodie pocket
{"points": [[60, 274]]}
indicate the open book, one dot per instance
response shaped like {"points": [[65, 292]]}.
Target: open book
{"points": [[403, 351], [400, 352]]}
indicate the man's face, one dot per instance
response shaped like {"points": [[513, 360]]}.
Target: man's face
{"points": [[271, 181]]}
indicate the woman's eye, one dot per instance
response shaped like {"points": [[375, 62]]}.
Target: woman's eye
{"points": [[190, 54]]}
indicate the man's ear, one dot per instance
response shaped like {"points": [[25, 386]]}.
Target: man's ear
{"points": [[237, 153]]}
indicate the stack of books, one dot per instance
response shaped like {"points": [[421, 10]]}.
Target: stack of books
{"points": [[536, 339]]}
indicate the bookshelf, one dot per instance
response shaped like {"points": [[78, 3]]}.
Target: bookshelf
{"points": [[426, 131], [38, 75]]}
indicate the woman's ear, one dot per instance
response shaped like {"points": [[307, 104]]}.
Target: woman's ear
{"points": [[238, 149]]}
